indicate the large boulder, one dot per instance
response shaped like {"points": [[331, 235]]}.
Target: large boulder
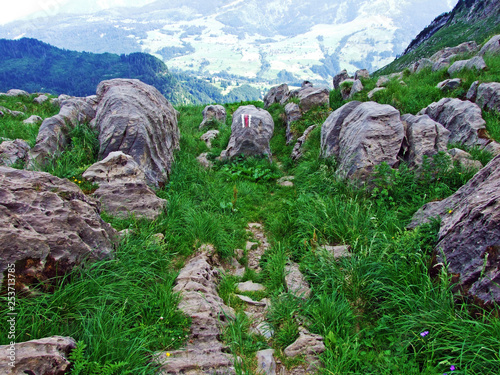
{"points": [[12, 152], [276, 94], [441, 64], [122, 188], [425, 137], [48, 226], [17, 92], [362, 73], [361, 136], [492, 46], [312, 97], [469, 236], [488, 96], [41, 99], [462, 118], [449, 84], [251, 131], [292, 113], [449, 52], [213, 113], [339, 78], [422, 64], [53, 134], [47, 356], [476, 62], [135, 118]]}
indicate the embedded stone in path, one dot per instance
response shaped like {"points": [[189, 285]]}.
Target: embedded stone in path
{"points": [[341, 251], [203, 160], [295, 281], [266, 364], [250, 301], [204, 353], [308, 345], [286, 181], [250, 286], [256, 250], [209, 136]]}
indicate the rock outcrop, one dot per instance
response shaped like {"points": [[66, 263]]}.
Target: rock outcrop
{"points": [[251, 131], [48, 356], [361, 73], [12, 152], [122, 188], [476, 62], [308, 345], [425, 136], [492, 46], [297, 149], [361, 136], [135, 118], [295, 281], [34, 119], [213, 113], [205, 353], [276, 95], [53, 134], [41, 99], [487, 96], [313, 97], [449, 84], [17, 92], [48, 226], [339, 78], [449, 52], [469, 236], [462, 118]]}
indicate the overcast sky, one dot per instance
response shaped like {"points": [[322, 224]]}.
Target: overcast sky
{"points": [[16, 9]]}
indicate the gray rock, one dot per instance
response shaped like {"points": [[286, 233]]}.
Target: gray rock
{"points": [[339, 78], [41, 99], [266, 364], [472, 93], [251, 301], [292, 113], [361, 136], [47, 356], [374, 91], [286, 181], [492, 147], [488, 96], [47, 223], [346, 88], [441, 64], [337, 252], [470, 233], [476, 62], [422, 64], [276, 94], [297, 149], [34, 119], [122, 188], [295, 281], [251, 131], [263, 329], [384, 80], [312, 97], [291, 94], [53, 134], [330, 131], [204, 353], [209, 136], [213, 113], [361, 73], [492, 46], [425, 136], [449, 52], [308, 345], [462, 118], [203, 160], [465, 159], [357, 86], [16, 92], [136, 119], [250, 286], [449, 84], [12, 152]]}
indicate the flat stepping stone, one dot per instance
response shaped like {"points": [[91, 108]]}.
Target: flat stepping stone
{"points": [[296, 282], [266, 364], [251, 301], [250, 286]]}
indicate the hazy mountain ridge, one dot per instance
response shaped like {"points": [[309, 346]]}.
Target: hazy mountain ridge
{"points": [[310, 39]]}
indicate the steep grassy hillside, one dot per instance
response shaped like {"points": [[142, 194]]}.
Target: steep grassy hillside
{"points": [[381, 311], [476, 20]]}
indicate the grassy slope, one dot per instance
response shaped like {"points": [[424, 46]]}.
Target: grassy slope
{"points": [[371, 307]]}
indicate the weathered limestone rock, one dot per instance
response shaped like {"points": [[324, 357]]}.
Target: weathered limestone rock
{"points": [[449, 84], [492, 147], [348, 92], [346, 88], [48, 356], [469, 236], [308, 345], [53, 134], [16, 92], [285, 181], [136, 119], [374, 91], [41, 99], [462, 118], [266, 364], [422, 64], [472, 93], [425, 136], [203, 160], [297, 149], [12, 152], [34, 119], [209, 136], [341, 251], [384, 80], [449, 52], [492, 46], [339, 78], [122, 188], [276, 94], [250, 286], [292, 113], [361, 136], [295, 281], [47, 226], [441, 64], [488, 96], [465, 159], [213, 113], [251, 131], [476, 62], [204, 353], [256, 250], [361, 73], [312, 97]]}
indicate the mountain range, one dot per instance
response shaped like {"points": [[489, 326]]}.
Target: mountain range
{"points": [[259, 42]]}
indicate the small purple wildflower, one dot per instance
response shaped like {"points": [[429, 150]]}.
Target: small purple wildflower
{"points": [[425, 333], [452, 368]]}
